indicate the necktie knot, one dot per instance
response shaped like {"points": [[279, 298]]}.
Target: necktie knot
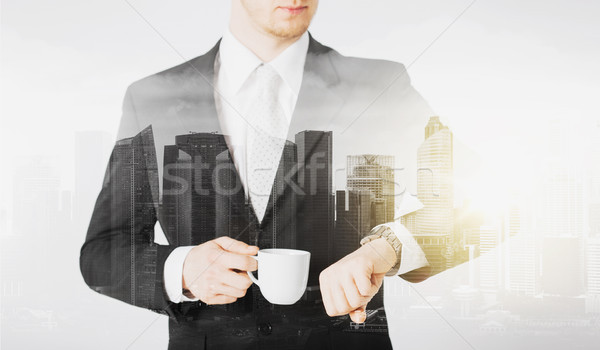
{"points": [[268, 78]]}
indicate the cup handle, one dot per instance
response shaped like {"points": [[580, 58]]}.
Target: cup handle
{"points": [[250, 274]]}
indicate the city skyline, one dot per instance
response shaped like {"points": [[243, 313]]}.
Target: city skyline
{"points": [[518, 270]]}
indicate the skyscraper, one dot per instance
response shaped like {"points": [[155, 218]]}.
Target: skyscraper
{"points": [[36, 197], [523, 255], [353, 220], [410, 222], [406, 209], [594, 163], [374, 173], [189, 192], [134, 196], [282, 233], [467, 220], [490, 271], [593, 242], [562, 188], [592, 260], [35, 214], [562, 216], [435, 187], [593, 266], [315, 199], [92, 149], [563, 203]]}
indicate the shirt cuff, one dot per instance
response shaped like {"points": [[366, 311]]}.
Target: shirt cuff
{"points": [[173, 273], [412, 256]]}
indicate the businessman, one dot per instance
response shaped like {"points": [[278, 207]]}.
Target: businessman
{"points": [[266, 80]]}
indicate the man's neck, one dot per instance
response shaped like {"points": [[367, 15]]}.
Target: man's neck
{"points": [[263, 45]]}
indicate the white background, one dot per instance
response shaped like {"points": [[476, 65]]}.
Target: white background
{"points": [[497, 77]]}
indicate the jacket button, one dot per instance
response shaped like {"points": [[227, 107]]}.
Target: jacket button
{"points": [[265, 328]]}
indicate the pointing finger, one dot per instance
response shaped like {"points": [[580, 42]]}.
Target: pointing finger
{"points": [[359, 315]]}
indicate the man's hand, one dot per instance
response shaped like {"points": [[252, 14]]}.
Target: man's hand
{"points": [[215, 271], [349, 284]]}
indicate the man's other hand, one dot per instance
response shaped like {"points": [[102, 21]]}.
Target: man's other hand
{"points": [[349, 284], [215, 271]]}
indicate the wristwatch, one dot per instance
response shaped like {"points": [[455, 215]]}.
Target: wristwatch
{"points": [[384, 231]]}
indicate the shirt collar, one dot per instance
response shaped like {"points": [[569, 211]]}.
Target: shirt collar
{"points": [[238, 62]]}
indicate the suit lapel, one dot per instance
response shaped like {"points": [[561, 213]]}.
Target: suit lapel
{"points": [[318, 103], [201, 95]]}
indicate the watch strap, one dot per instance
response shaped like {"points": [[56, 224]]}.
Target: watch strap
{"points": [[384, 231]]}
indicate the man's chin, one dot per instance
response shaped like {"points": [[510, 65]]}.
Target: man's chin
{"points": [[289, 31]]}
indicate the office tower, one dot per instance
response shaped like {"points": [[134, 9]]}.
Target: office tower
{"points": [[523, 255], [353, 220], [279, 226], [92, 149], [562, 188], [410, 222], [281, 231], [594, 213], [491, 260], [562, 266], [563, 203], [435, 190], [134, 197], [594, 163], [514, 220], [34, 223], [561, 217], [375, 173], [316, 206], [524, 268], [592, 256], [407, 206], [231, 204], [36, 197], [592, 265], [472, 238], [177, 195], [467, 220], [189, 192]]}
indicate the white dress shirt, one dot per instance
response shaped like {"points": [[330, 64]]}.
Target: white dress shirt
{"points": [[234, 77], [235, 66]]}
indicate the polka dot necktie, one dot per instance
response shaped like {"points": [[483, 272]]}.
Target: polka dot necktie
{"points": [[265, 138]]}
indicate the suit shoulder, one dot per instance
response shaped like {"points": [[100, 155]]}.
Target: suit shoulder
{"points": [[177, 76], [355, 65], [370, 71], [366, 63]]}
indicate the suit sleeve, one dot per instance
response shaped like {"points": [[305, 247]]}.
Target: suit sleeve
{"points": [[119, 257], [415, 112]]}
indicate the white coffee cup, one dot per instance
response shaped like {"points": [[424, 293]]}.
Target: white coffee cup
{"points": [[283, 274]]}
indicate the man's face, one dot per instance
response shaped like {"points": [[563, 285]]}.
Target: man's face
{"points": [[281, 18]]}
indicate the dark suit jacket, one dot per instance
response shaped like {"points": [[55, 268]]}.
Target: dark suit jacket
{"points": [[369, 105]]}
